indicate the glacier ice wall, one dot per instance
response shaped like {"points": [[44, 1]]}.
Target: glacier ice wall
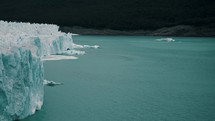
{"points": [[21, 85], [22, 46]]}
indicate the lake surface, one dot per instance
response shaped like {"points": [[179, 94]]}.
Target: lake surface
{"points": [[133, 78]]}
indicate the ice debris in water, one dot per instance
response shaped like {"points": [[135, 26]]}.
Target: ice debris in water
{"points": [[22, 47], [166, 39], [51, 83], [85, 46], [95, 46]]}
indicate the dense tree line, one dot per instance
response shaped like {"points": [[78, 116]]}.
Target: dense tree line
{"points": [[114, 14]]}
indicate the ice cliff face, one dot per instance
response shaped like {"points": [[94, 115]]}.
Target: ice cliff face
{"points": [[21, 84], [22, 45]]}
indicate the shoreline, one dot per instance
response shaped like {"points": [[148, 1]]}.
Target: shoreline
{"points": [[179, 30]]}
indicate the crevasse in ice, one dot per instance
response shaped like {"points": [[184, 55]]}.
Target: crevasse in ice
{"points": [[22, 45]]}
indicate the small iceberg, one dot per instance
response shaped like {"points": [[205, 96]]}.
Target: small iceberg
{"points": [[95, 46], [75, 46], [58, 57], [166, 39], [51, 83]]}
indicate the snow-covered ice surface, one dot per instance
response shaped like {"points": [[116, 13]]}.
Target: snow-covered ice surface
{"points": [[23, 46]]}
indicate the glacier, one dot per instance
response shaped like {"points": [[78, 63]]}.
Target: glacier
{"points": [[22, 49]]}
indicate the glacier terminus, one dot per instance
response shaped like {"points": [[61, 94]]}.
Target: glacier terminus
{"points": [[22, 49]]}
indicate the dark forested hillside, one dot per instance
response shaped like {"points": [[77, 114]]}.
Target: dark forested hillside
{"points": [[113, 14]]}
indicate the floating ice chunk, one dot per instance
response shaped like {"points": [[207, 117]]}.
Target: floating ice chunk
{"points": [[88, 46], [58, 57], [75, 46], [166, 39], [51, 83]]}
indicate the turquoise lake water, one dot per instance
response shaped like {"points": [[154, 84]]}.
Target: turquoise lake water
{"points": [[133, 78]]}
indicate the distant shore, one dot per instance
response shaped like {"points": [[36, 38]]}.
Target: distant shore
{"points": [[180, 30]]}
